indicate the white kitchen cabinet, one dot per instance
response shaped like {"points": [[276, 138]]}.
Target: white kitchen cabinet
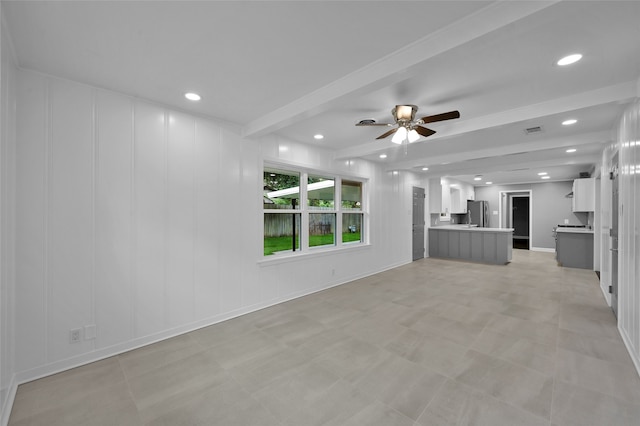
{"points": [[584, 195], [459, 196], [435, 196]]}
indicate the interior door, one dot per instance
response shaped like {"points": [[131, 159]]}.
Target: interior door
{"points": [[614, 235], [418, 223]]}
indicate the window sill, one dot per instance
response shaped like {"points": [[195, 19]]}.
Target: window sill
{"points": [[317, 252]]}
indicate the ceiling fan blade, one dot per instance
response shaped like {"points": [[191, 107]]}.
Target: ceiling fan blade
{"points": [[424, 131], [440, 117], [374, 124], [390, 132]]}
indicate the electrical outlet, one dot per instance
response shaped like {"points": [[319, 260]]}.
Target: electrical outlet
{"points": [[75, 335]]}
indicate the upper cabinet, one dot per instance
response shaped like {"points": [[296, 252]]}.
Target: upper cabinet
{"points": [[435, 196], [584, 195], [454, 196], [460, 193]]}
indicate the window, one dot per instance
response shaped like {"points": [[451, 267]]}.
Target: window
{"points": [[301, 212], [351, 203]]}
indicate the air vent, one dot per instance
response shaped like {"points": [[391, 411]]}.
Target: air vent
{"points": [[585, 175], [530, 130]]}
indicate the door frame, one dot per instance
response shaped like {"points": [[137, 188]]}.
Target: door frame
{"points": [[509, 205]]}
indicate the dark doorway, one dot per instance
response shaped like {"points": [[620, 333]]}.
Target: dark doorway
{"points": [[520, 221]]}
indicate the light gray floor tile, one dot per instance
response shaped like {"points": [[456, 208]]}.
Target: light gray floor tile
{"points": [[612, 350], [147, 358], [301, 388], [401, 384], [432, 351], [444, 342], [155, 387], [334, 407], [610, 378], [577, 406], [461, 405], [524, 352], [377, 414], [518, 386]]}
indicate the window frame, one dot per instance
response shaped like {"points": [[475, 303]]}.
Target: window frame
{"points": [[305, 210]]}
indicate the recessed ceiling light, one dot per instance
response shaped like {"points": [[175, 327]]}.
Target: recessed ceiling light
{"points": [[569, 122], [425, 168], [542, 173], [546, 177], [488, 183], [571, 150], [395, 172], [318, 136], [477, 178], [383, 155], [192, 96], [570, 59]]}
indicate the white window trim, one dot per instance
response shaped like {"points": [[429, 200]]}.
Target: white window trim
{"points": [[304, 211]]}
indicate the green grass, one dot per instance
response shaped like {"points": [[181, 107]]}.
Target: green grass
{"points": [[275, 244]]}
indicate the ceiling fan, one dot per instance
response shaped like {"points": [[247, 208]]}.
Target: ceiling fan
{"points": [[408, 127]]}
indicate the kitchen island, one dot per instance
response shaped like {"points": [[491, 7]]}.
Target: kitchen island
{"points": [[489, 245]]}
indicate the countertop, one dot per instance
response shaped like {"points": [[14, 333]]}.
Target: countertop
{"points": [[575, 230], [474, 228]]}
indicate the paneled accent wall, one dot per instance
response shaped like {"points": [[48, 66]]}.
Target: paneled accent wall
{"points": [[7, 221], [147, 222], [629, 230]]}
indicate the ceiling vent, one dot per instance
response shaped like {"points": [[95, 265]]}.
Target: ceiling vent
{"points": [[530, 130]]}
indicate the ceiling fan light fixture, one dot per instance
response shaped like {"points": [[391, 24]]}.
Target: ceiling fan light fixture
{"points": [[413, 136], [399, 136], [192, 96], [405, 112], [570, 59]]}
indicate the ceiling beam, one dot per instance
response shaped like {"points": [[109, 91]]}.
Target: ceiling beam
{"points": [[502, 151], [392, 68]]}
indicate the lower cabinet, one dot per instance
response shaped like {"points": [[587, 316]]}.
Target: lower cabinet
{"points": [[489, 246], [575, 249]]}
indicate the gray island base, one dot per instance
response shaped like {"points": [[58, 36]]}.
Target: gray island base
{"points": [[488, 245]]}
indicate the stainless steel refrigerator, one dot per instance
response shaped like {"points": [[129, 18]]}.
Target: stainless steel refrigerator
{"points": [[479, 211]]}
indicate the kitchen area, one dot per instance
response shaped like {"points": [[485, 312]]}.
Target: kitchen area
{"points": [[559, 219], [459, 226]]}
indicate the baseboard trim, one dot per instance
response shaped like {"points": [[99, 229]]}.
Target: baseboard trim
{"points": [[543, 249], [629, 346], [7, 404]]}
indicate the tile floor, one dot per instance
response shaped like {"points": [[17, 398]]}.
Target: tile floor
{"points": [[436, 342]]}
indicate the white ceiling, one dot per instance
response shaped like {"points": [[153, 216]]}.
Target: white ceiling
{"points": [[297, 68]]}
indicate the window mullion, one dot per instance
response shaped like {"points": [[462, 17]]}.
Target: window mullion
{"points": [[338, 209], [304, 210]]}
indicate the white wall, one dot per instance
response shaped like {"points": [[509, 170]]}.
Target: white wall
{"points": [[147, 222], [7, 237], [628, 138]]}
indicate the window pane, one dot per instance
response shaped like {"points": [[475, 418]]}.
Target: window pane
{"points": [[281, 189], [351, 227], [351, 195], [321, 229], [281, 232], [320, 193]]}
